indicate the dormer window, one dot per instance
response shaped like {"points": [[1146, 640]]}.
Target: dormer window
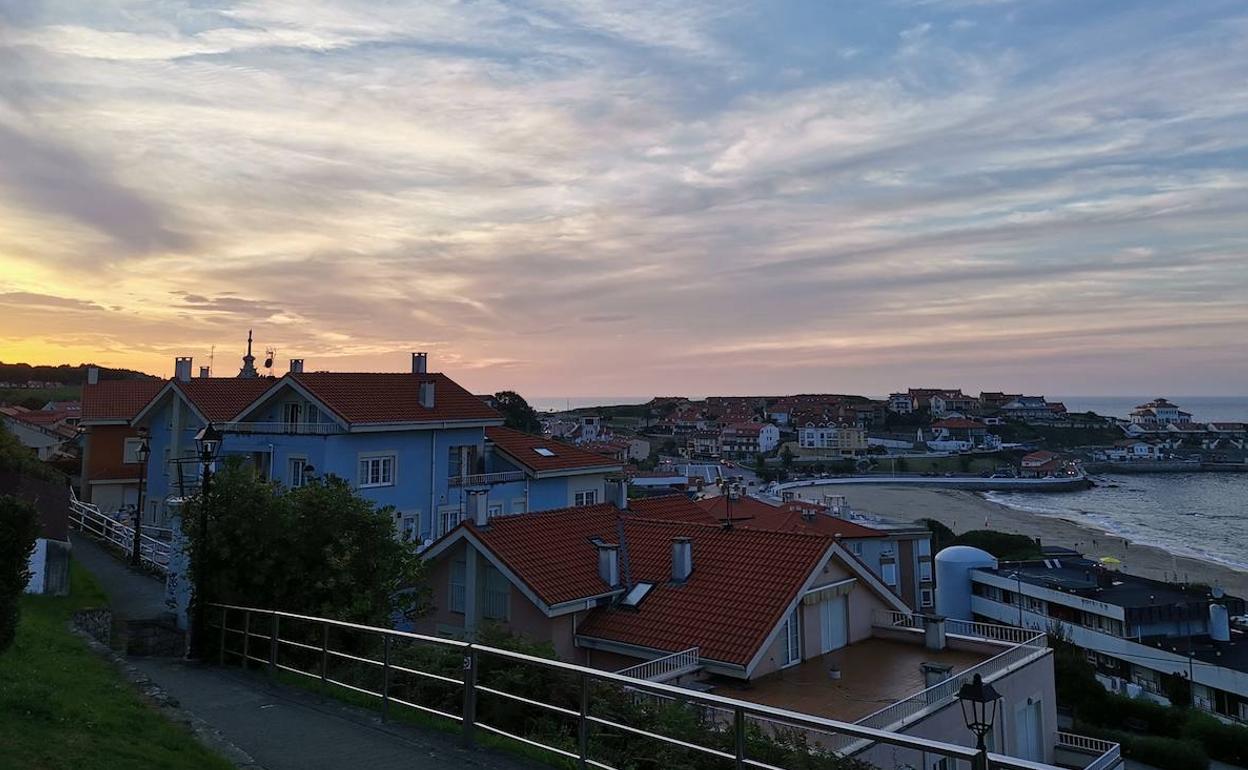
{"points": [[543, 451]]}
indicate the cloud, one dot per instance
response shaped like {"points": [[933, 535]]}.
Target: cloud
{"points": [[539, 192]]}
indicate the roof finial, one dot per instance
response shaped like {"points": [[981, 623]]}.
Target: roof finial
{"points": [[249, 361]]}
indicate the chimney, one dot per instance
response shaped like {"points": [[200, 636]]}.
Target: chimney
{"points": [[609, 563], [478, 503], [935, 673], [420, 363], [93, 375], [204, 372], [682, 559], [182, 368], [934, 632], [426, 395], [618, 491], [296, 366]]}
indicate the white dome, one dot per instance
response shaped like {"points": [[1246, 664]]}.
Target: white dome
{"points": [[966, 554]]}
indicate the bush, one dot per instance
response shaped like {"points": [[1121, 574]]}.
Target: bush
{"points": [[1005, 547], [19, 526], [1160, 752], [1225, 743]]}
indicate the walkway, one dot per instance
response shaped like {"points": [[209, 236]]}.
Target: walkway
{"points": [[280, 727]]}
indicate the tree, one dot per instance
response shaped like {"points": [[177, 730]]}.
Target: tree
{"points": [[786, 457], [19, 526], [517, 412], [320, 549]]}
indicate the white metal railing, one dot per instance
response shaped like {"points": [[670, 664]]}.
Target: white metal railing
{"points": [[995, 632], [486, 479], [1108, 754], [266, 638], [291, 428], [153, 552], [666, 667]]}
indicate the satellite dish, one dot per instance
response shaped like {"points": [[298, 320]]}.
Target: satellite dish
{"points": [[269, 354]]}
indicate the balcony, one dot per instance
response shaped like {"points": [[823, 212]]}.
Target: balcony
{"points": [[486, 479], [285, 428]]}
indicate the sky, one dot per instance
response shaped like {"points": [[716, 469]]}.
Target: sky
{"points": [[623, 198]]}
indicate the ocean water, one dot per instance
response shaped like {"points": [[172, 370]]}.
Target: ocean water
{"points": [[1202, 515], [1203, 408]]}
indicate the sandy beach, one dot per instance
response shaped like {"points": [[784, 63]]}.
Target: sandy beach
{"points": [[962, 511]]}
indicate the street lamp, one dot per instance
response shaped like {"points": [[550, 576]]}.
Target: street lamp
{"points": [[979, 711], [207, 443], [143, 452]]}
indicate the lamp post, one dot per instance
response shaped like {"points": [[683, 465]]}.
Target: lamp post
{"points": [[979, 711], [207, 443], [144, 451]]}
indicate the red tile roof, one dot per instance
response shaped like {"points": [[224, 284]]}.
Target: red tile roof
{"points": [[522, 447], [670, 508], [222, 398], [117, 399], [369, 397], [757, 514], [958, 423], [742, 582]]}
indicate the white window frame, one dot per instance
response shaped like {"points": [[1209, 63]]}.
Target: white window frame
{"points": [[291, 481], [585, 497], [409, 526], [363, 474], [457, 587], [494, 510], [925, 571], [888, 573], [793, 638], [130, 451], [926, 598], [292, 407], [855, 547]]}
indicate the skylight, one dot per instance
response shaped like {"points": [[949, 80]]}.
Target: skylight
{"points": [[638, 592], [543, 451]]}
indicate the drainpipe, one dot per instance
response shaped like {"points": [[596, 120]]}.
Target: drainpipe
{"points": [[433, 491]]}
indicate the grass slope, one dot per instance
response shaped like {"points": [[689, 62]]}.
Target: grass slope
{"points": [[64, 707]]}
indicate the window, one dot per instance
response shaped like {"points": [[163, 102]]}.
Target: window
{"points": [[297, 474], [925, 571], [925, 597], [793, 638], [543, 451], [588, 497], [495, 510], [449, 518], [925, 547], [497, 595], [409, 526], [889, 573], [377, 471], [517, 506], [291, 413], [130, 452], [457, 587], [855, 547], [461, 461]]}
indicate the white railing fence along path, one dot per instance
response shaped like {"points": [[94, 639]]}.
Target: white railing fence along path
{"points": [[1108, 754], [153, 552], [666, 667], [395, 668]]}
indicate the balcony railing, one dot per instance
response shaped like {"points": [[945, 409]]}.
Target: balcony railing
{"points": [[285, 428], [486, 479], [1107, 753], [381, 664], [665, 668], [990, 631]]}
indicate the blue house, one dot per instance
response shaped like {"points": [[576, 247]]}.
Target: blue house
{"points": [[416, 441]]}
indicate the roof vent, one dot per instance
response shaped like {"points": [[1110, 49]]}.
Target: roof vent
{"points": [[426, 394], [609, 563], [682, 558]]}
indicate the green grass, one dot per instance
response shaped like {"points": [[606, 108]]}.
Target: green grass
{"points": [[65, 707]]}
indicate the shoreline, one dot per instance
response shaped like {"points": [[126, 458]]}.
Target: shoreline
{"points": [[963, 510]]}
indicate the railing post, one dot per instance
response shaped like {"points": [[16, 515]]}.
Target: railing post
{"points": [[246, 636], [274, 630], [324, 655], [385, 678], [582, 725], [470, 696], [221, 652], [738, 725]]}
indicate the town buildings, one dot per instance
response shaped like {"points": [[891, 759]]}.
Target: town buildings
{"points": [[953, 402], [1159, 412], [826, 440], [46, 432], [960, 434], [1144, 636], [747, 440]]}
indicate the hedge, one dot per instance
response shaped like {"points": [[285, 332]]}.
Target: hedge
{"points": [[1225, 743], [1160, 752]]}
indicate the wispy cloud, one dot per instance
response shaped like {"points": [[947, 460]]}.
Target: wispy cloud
{"points": [[606, 197]]}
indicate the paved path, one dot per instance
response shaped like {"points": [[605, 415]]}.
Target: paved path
{"points": [[280, 727]]}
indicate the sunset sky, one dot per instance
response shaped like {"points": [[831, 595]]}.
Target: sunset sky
{"points": [[618, 198]]}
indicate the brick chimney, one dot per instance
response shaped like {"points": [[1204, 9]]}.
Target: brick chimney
{"points": [[204, 372]]}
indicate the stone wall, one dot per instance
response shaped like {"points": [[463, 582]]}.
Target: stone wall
{"points": [[96, 623]]}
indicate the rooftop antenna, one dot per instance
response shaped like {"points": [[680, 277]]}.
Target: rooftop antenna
{"points": [[212, 355]]}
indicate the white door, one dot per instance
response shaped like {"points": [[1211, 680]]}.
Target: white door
{"points": [[1029, 731], [833, 624]]}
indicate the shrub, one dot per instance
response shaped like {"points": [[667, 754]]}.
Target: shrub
{"points": [[1002, 545], [1157, 751], [19, 526], [1225, 743]]}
